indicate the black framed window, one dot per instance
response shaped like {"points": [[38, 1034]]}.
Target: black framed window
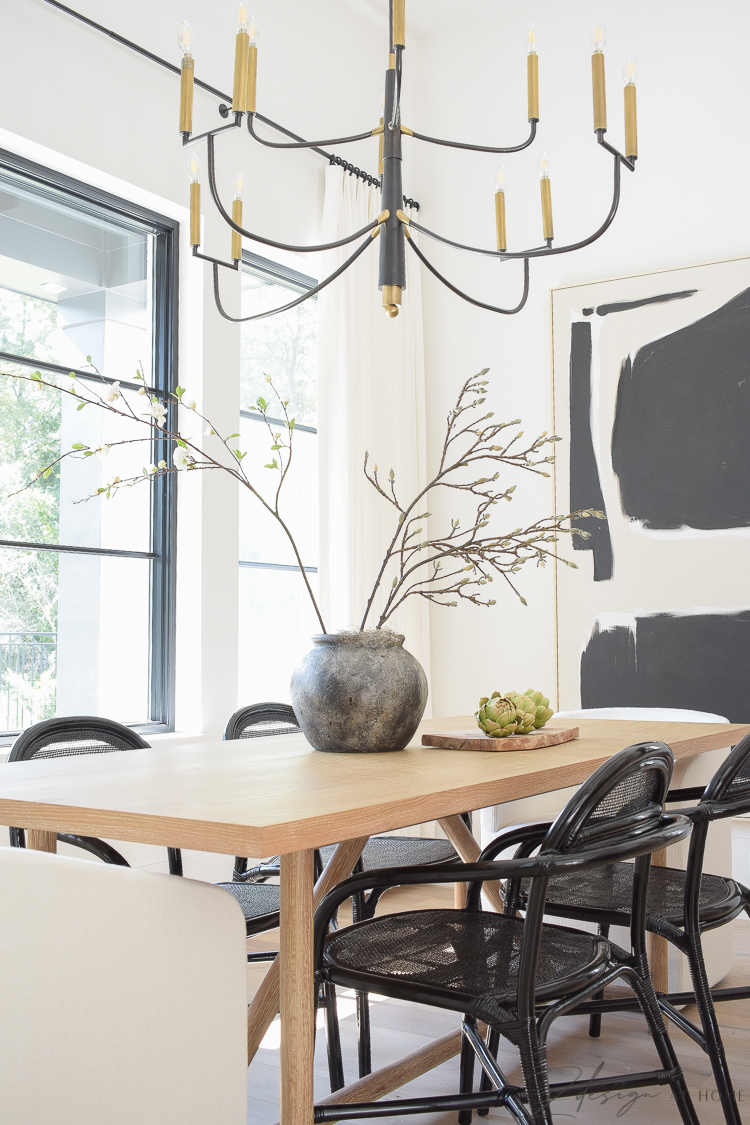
{"points": [[275, 614], [86, 585]]}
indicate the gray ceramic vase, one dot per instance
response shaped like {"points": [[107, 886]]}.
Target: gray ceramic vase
{"points": [[359, 693]]}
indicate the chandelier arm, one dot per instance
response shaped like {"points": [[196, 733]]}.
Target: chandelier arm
{"points": [[304, 296], [465, 296], [480, 148], [539, 251], [269, 241], [303, 144]]}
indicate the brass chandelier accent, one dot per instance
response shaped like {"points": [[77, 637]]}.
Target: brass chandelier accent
{"points": [[392, 225]]}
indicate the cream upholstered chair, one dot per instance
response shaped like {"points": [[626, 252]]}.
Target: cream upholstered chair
{"points": [[717, 944], [122, 996]]}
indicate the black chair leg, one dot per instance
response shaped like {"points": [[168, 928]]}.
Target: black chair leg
{"points": [[534, 1067], [595, 1020], [466, 1073], [364, 1048], [493, 1045], [175, 861], [644, 990], [327, 1000], [714, 1046]]}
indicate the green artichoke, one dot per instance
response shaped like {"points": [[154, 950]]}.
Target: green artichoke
{"points": [[525, 711], [496, 715], [543, 709]]}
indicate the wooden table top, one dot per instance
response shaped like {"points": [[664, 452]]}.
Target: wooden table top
{"points": [[265, 796]]}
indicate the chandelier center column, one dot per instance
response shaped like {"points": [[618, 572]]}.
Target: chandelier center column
{"points": [[392, 280]]}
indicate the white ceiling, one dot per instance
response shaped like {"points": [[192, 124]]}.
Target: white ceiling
{"points": [[428, 17]]}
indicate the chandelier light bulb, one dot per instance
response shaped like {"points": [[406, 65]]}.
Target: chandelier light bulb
{"points": [[243, 18], [631, 70], [544, 166], [598, 38], [194, 168], [239, 185], [253, 31], [185, 38], [500, 178], [531, 39]]}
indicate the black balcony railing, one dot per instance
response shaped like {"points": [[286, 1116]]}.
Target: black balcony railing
{"points": [[27, 678]]}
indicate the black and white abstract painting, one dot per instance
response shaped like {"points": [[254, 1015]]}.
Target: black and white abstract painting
{"points": [[652, 398]]}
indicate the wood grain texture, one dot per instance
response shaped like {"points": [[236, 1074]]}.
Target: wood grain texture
{"points": [[297, 989], [42, 841], [406, 1069], [467, 847], [265, 1003], [266, 796], [478, 740]]}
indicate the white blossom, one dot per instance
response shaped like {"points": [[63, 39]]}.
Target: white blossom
{"points": [[102, 451], [112, 392], [209, 431], [73, 386], [162, 464], [158, 411], [182, 458], [190, 405], [142, 391]]}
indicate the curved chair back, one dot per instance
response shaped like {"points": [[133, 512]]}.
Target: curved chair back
{"points": [[730, 785], [68, 736], [104, 964], [262, 719]]}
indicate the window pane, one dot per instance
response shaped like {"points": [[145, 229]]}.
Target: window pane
{"points": [[36, 426], [277, 621], [73, 283], [261, 538], [283, 346], [74, 637]]}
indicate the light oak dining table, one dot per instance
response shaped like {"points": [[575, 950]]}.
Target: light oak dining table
{"points": [[277, 796]]}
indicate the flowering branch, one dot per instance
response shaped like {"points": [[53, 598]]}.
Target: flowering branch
{"points": [[458, 564], [186, 453]]}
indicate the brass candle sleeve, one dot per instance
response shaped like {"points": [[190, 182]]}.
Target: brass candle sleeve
{"points": [[241, 64], [631, 125], [236, 238], [252, 77], [600, 96], [532, 71], [502, 243], [547, 208], [187, 74], [399, 23], [195, 214]]}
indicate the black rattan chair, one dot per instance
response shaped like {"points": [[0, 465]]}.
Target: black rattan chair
{"points": [[69, 736], [681, 905], [380, 851], [518, 974]]}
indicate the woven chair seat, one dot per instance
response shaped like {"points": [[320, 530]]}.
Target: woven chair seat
{"points": [[400, 851], [611, 889], [256, 899], [474, 956]]}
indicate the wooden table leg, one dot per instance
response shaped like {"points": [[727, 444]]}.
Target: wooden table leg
{"points": [[297, 991], [467, 847], [658, 947], [265, 1003], [41, 841]]}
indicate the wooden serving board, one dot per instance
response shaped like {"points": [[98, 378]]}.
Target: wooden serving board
{"points": [[478, 740]]}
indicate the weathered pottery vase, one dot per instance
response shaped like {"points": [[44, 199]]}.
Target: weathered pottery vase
{"points": [[359, 693]]}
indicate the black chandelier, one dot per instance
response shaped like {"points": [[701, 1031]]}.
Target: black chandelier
{"points": [[392, 225]]}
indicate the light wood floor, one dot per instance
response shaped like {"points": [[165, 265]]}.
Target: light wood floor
{"points": [[399, 1028]]}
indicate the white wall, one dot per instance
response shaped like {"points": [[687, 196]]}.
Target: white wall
{"points": [[81, 103], [685, 204]]}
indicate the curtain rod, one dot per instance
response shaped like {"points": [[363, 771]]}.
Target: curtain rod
{"points": [[329, 156]]}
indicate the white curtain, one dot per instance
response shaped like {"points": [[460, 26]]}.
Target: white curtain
{"points": [[371, 397]]}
